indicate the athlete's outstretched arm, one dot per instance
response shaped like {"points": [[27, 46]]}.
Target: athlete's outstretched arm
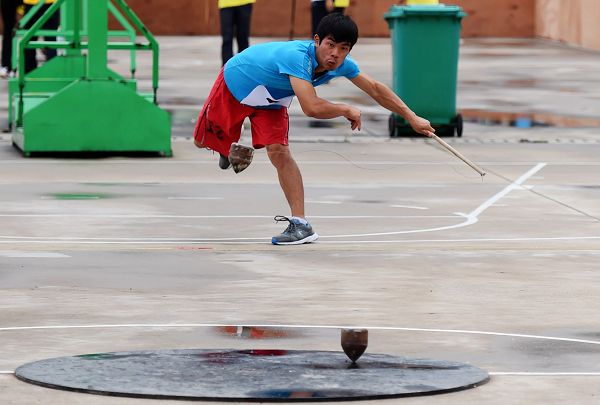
{"points": [[316, 107], [388, 99]]}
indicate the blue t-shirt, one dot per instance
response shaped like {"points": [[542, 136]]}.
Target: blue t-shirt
{"points": [[259, 76]]}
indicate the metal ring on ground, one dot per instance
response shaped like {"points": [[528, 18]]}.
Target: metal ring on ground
{"points": [[251, 375]]}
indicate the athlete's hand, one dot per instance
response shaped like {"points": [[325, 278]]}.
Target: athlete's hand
{"points": [[422, 126], [353, 115]]}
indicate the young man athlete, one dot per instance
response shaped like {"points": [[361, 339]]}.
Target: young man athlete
{"points": [[261, 82]]}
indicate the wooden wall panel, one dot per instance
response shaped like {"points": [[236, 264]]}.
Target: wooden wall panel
{"points": [[500, 18], [178, 17], [547, 18], [574, 22], [590, 24], [570, 22]]}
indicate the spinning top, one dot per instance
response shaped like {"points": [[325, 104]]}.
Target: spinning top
{"points": [[240, 156], [354, 342]]}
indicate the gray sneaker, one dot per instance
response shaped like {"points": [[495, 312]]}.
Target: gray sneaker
{"points": [[296, 233]]}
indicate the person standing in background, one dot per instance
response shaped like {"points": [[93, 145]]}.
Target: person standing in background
{"points": [[235, 18], [319, 9], [339, 6], [9, 19], [52, 24]]}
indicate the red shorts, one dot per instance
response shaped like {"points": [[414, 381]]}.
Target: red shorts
{"points": [[221, 119]]}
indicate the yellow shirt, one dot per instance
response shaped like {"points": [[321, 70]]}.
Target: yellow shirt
{"points": [[341, 3], [233, 3], [32, 2]]}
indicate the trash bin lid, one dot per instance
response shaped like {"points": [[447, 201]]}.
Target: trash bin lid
{"points": [[439, 10]]}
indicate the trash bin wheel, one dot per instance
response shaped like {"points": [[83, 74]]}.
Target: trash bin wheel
{"points": [[458, 124], [392, 126]]}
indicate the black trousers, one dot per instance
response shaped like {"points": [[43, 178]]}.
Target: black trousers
{"points": [[51, 24], [9, 18], [318, 11], [235, 21]]}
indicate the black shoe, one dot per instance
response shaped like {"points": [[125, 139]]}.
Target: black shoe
{"points": [[296, 233], [224, 162]]}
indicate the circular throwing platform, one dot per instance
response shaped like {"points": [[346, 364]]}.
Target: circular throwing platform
{"points": [[251, 375]]}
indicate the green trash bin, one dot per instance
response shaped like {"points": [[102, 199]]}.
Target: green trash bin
{"points": [[425, 42]]}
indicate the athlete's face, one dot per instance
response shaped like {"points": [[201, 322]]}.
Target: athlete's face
{"points": [[331, 54]]}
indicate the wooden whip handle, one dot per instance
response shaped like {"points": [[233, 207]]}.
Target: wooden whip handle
{"points": [[458, 154]]}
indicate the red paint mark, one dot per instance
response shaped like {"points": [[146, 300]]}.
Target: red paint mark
{"points": [[261, 352], [253, 332]]}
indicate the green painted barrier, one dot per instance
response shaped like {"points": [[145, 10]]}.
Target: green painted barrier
{"points": [[75, 102]]}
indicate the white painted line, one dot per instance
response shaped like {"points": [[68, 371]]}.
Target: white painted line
{"points": [[36, 255], [531, 239], [111, 240], [492, 373], [303, 162], [516, 185], [195, 198], [263, 162], [251, 241], [286, 326], [409, 206], [543, 374], [469, 219], [219, 216], [247, 241], [256, 161], [322, 202], [87, 197]]}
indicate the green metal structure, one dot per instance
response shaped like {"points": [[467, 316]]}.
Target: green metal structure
{"points": [[75, 102]]}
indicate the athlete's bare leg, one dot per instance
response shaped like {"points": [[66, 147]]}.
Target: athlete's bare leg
{"points": [[290, 177]]}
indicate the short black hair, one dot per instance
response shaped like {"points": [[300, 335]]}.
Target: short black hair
{"points": [[338, 26]]}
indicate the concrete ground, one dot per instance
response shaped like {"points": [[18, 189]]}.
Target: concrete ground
{"points": [[121, 254]]}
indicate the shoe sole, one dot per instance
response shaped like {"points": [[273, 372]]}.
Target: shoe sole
{"points": [[308, 239], [224, 162]]}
